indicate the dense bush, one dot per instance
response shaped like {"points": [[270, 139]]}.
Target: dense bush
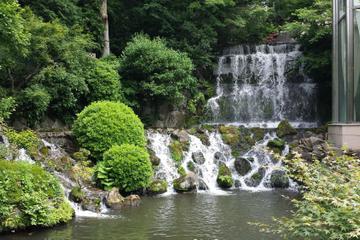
{"points": [[104, 124], [26, 139], [152, 71], [127, 167], [329, 207], [30, 197]]}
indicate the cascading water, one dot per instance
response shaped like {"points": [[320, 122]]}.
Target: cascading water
{"points": [[262, 85], [217, 151]]}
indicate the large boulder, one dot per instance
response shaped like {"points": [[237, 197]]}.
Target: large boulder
{"points": [[256, 178], [113, 199], [224, 178], [279, 179], [157, 186], [198, 157], [285, 129], [242, 166], [186, 183]]}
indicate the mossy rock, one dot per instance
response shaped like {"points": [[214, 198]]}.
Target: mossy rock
{"points": [[242, 166], [277, 145], [279, 179], [238, 138], [191, 166], [186, 183], [77, 195], [285, 129], [256, 178], [82, 155], [224, 178], [258, 133], [157, 187]]}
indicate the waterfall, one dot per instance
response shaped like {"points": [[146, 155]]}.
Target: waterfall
{"points": [[207, 171], [262, 85]]}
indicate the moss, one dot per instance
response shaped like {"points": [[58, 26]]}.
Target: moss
{"points": [[44, 151], [157, 187], [177, 150], [277, 145], [224, 178], [284, 129], [258, 133], [82, 155], [208, 127], [181, 171], [238, 138], [191, 166], [77, 195]]}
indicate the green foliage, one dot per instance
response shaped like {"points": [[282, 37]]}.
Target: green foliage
{"points": [[176, 151], [152, 71], [104, 124], [76, 194], [329, 207], [7, 107], [104, 81], [127, 167], [181, 171], [224, 178], [30, 197], [277, 145], [26, 139], [14, 37], [34, 102]]}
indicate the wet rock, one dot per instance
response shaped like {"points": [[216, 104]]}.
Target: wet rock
{"points": [[224, 178], [155, 161], [198, 157], [256, 178], [284, 129], [181, 135], [237, 183], [219, 157], [238, 138], [113, 199], [242, 166], [191, 166], [132, 201], [279, 179], [186, 183], [157, 186], [203, 185]]}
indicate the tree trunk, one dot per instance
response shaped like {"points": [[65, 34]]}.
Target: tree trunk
{"points": [[104, 16]]}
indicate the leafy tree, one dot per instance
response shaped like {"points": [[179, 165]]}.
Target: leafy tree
{"points": [[127, 167], [153, 72]]}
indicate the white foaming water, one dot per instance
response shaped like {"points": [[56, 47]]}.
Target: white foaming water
{"points": [[23, 156], [263, 84], [159, 143], [207, 172]]}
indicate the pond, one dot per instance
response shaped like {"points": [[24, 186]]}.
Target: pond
{"points": [[181, 216]]}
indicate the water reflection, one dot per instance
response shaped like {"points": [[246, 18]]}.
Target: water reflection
{"points": [[178, 217]]}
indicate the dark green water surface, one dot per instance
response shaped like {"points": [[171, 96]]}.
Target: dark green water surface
{"points": [[187, 216]]}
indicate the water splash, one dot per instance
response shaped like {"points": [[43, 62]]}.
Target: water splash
{"points": [[262, 85], [207, 171]]}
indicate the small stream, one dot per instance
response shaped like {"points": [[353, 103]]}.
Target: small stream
{"points": [[178, 217]]}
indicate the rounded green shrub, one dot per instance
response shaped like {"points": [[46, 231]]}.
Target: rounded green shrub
{"points": [[30, 197], [104, 124], [127, 167]]}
